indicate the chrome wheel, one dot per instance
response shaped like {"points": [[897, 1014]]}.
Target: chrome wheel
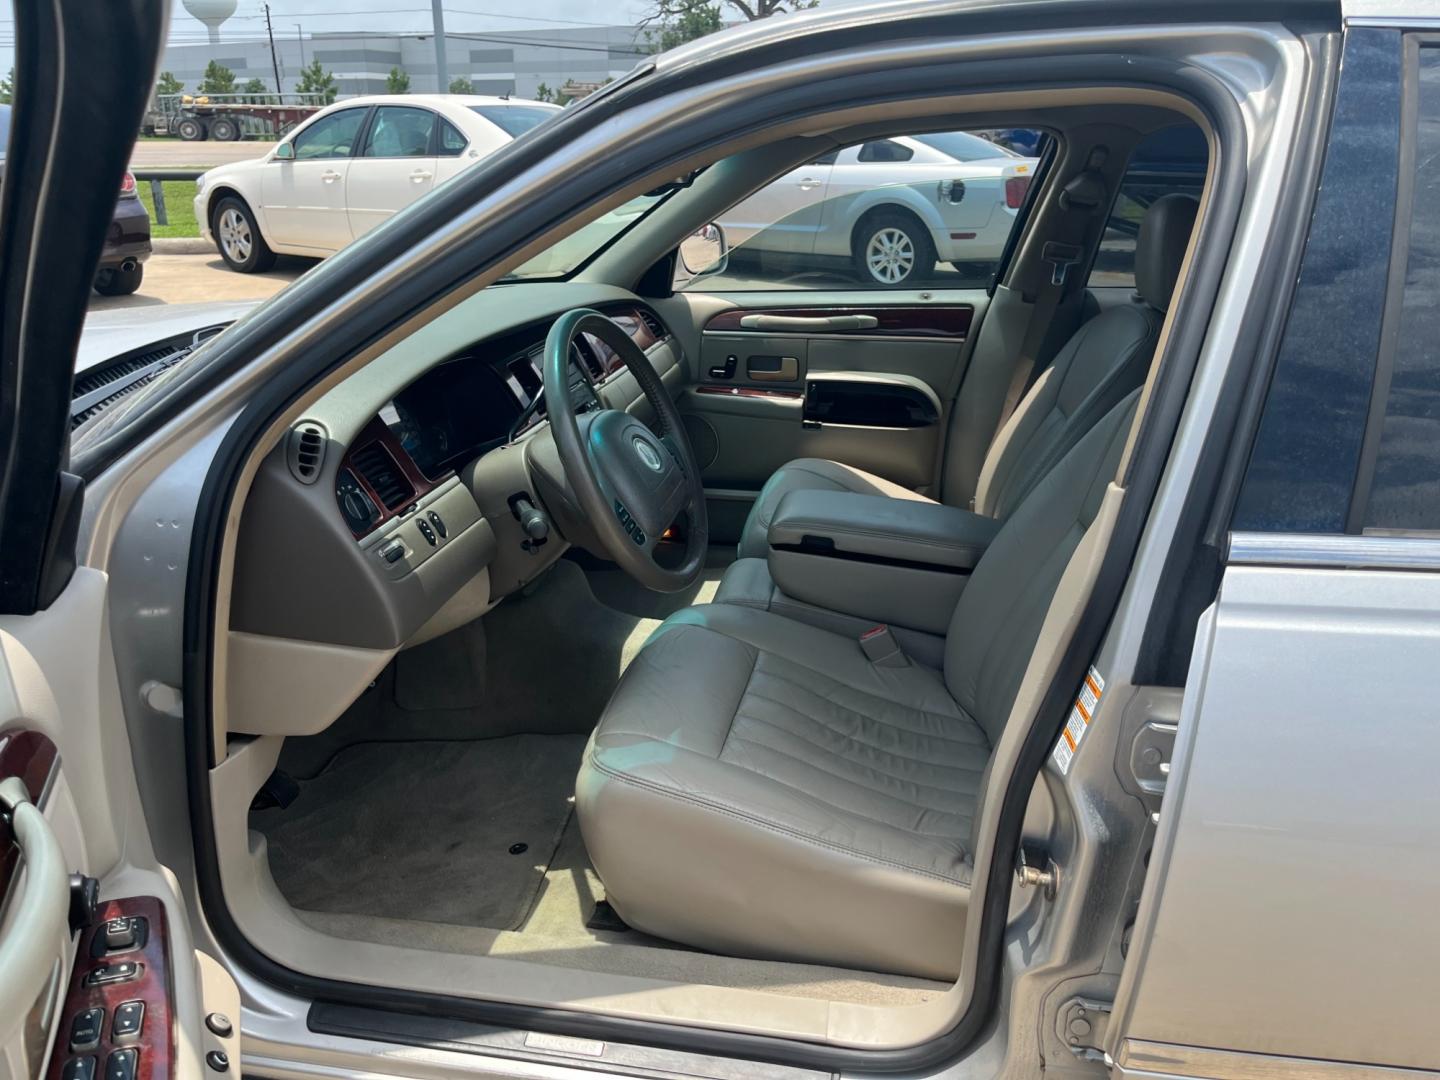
{"points": [[236, 240], [890, 255]]}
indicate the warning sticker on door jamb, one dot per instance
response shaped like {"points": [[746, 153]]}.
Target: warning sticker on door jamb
{"points": [[1079, 720]]}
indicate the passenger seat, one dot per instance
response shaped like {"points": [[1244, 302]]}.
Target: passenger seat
{"points": [[1103, 361]]}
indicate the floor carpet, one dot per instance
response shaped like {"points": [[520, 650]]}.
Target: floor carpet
{"points": [[443, 832]]}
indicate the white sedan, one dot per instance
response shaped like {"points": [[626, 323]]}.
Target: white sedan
{"points": [[890, 206], [349, 168]]}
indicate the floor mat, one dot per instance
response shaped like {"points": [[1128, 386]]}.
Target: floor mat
{"points": [[445, 831]]}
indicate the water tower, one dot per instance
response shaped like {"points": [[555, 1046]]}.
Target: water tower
{"points": [[212, 13]]}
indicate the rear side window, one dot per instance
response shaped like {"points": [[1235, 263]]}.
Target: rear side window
{"points": [[514, 120], [452, 143], [1401, 456], [399, 131], [1166, 161], [885, 150]]}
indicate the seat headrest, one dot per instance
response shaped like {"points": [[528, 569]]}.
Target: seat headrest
{"points": [[1164, 235]]}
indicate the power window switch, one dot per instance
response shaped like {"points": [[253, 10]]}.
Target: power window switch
{"points": [[129, 1018], [122, 1065], [85, 1029], [81, 1068]]}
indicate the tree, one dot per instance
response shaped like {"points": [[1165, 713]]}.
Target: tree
{"points": [[255, 86], [168, 84], [218, 79], [397, 82], [544, 93], [461, 85], [674, 22], [7, 88], [314, 79]]}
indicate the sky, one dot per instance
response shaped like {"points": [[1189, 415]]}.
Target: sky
{"points": [[319, 16]]}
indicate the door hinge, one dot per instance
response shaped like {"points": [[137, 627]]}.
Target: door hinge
{"points": [[1082, 1025], [1155, 714]]}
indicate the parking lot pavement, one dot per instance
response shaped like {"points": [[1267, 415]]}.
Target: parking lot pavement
{"points": [[176, 153], [188, 279]]}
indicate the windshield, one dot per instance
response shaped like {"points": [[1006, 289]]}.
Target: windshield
{"points": [[963, 146], [514, 120], [569, 254]]}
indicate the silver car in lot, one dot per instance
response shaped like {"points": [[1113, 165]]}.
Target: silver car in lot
{"points": [[519, 649]]}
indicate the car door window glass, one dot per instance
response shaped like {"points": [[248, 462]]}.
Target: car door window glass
{"points": [[399, 131], [1403, 439], [932, 210], [1171, 160], [331, 136], [452, 143]]}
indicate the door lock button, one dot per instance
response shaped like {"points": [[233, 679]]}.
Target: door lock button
{"points": [[109, 974]]}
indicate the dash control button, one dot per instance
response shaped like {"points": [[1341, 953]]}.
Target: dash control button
{"points": [[81, 1068], [85, 1029], [439, 525], [121, 1065], [427, 532], [393, 551], [129, 1018]]}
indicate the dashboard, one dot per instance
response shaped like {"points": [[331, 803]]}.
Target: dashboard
{"points": [[483, 398]]}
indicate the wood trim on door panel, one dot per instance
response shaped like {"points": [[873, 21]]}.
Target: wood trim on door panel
{"points": [[951, 321]]}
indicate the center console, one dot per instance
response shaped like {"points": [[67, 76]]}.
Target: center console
{"points": [[903, 562]]}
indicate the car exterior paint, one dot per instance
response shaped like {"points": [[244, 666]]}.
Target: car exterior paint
{"points": [[316, 205]]}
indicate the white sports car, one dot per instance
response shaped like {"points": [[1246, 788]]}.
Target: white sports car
{"points": [[892, 206], [348, 169]]}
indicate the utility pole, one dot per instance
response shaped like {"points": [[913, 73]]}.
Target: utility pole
{"points": [[274, 61], [442, 77], [300, 37]]}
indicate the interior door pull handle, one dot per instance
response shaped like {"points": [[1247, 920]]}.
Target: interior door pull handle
{"points": [[38, 927], [821, 324]]}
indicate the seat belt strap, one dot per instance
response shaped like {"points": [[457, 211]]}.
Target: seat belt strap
{"points": [[1060, 257]]}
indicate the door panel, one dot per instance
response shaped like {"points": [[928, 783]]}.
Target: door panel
{"points": [[396, 166], [304, 203], [750, 419]]}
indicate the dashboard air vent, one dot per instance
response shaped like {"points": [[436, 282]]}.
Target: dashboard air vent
{"points": [[305, 453], [378, 469], [654, 325]]}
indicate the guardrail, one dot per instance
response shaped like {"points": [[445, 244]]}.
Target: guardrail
{"points": [[157, 178]]}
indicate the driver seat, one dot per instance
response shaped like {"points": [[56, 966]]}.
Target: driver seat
{"points": [[758, 787]]}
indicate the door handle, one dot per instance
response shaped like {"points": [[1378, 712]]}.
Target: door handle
{"points": [[808, 182], [420, 175], [817, 323], [330, 176], [38, 924]]}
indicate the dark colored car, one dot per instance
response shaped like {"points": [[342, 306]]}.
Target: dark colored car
{"points": [[127, 242]]}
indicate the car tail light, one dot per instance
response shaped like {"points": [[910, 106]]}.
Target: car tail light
{"points": [[127, 184], [1015, 189]]}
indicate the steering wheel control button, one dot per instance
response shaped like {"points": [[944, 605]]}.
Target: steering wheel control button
{"points": [[218, 1060], [110, 974], [427, 532], [219, 1025], [129, 1019], [85, 1029], [392, 551], [81, 1068], [439, 525], [122, 1064]]}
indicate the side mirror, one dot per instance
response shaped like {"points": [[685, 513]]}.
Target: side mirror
{"points": [[285, 151], [704, 251]]}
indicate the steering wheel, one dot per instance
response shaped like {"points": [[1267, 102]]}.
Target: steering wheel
{"points": [[632, 482]]}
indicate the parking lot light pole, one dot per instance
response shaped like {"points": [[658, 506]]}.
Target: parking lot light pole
{"points": [[442, 78]]}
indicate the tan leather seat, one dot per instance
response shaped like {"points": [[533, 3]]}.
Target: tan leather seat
{"points": [[1102, 362], [758, 787]]}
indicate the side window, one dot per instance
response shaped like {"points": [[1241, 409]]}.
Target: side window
{"points": [[331, 137], [885, 150], [399, 131], [1402, 442], [932, 210], [1167, 161], [452, 143]]}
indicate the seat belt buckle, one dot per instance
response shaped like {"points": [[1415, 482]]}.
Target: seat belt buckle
{"points": [[879, 645], [1060, 257]]}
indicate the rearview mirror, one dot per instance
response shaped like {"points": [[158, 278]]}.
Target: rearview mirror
{"points": [[285, 152], [704, 251]]}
